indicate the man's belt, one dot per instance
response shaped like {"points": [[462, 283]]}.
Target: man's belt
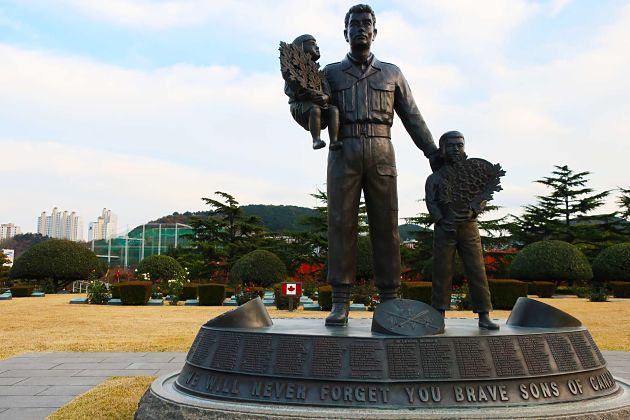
{"points": [[366, 129]]}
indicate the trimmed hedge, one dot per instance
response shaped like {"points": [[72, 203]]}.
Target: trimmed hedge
{"points": [[135, 292], [504, 293], [416, 290], [22, 290], [620, 289], [260, 267], [189, 291], [114, 289], [551, 261], [613, 264], [543, 289], [211, 294], [161, 267], [325, 297]]}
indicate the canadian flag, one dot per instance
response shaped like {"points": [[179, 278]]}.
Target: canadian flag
{"points": [[291, 289]]}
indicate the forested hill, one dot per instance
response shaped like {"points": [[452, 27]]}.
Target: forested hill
{"points": [[279, 218], [275, 218]]}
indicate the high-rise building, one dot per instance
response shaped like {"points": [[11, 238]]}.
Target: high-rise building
{"points": [[104, 228], [9, 230], [61, 225]]}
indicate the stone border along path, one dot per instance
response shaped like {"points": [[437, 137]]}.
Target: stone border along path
{"points": [[35, 385]]}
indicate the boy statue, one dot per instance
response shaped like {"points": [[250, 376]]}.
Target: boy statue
{"points": [[308, 91], [455, 195]]}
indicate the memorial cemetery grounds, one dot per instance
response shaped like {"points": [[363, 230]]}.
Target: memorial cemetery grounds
{"points": [[51, 324]]}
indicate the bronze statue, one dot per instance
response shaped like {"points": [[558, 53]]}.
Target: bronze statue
{"points": [[455, 195], [308, 91], [367, 92]]}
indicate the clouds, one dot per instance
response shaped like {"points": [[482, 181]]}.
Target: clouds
{"points": [[121, 136]]}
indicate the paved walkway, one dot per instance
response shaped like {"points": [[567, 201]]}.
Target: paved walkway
{"points": [[34, 385]]}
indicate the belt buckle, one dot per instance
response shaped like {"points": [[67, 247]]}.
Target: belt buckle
{"points": [[363, 129]]}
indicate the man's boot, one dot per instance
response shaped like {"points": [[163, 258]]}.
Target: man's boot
{"points": [[388, 294], [486, 323], [340, 306]]}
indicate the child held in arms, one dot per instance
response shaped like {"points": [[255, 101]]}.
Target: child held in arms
{"points": [[308, 91]]}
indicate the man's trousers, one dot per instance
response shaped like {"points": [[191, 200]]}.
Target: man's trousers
{"points": [[365, 164]]}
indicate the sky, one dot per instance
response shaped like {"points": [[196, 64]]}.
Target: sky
{"points": [[144, 107]]}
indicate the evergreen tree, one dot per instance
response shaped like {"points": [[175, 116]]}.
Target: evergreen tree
{"points": [[556, 214], [570, 197], [226, 233], [624, 203]]}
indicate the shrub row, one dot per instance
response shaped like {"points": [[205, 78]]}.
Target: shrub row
{"points": [[416, 290], [211, 294], [135, 292], [543, 289], [620, 289], [189, 291], [22, 290], [325, 298], [504, 292]]}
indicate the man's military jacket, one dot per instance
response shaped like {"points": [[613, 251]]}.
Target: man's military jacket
{"points": [[367, 101]]}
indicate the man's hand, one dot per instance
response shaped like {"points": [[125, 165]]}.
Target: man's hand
{"points": [[321, 100]]}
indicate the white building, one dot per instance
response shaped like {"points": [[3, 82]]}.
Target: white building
{"points": [[104, 228], [61, 225], [9, 230]]}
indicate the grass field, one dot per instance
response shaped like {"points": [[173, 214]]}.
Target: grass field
{"points": [[52, 324], [115, 399]]}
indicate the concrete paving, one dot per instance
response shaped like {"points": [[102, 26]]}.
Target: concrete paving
{"points": [[35, 385]]}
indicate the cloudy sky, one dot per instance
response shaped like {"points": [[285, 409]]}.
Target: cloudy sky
{"points": [[145, 106]]}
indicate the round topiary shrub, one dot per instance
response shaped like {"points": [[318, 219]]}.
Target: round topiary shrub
{"points": [[60, 261], [161, 268], [260, 267], [613, 263], [555, 261]]}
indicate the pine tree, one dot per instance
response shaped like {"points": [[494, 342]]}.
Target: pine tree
{"points": [[227, 233], [569, 197], [624, 203], [563, 213]]}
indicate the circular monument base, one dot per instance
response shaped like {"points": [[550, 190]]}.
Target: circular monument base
{"points": [[299, 368], [163, 400]]}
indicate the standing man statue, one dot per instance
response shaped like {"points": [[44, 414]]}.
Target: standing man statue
{"points": [[366, 92], [455, 195]]}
